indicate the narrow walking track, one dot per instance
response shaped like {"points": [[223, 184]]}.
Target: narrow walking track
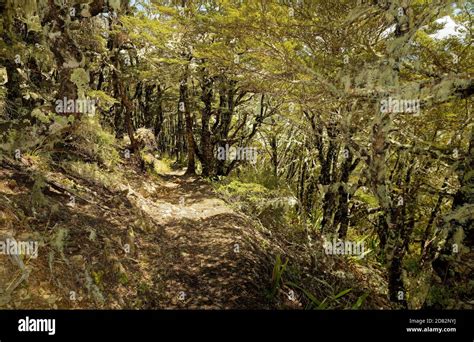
{"points": [[209, 256], [147, 242]]}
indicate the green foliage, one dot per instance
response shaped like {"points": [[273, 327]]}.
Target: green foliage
{"points": [[313, 301], [93, 173], [360, 301], [59, 239], [104, 100], [327, 302], [366, 198], [97, 276], [38, 200], [277, 274], [91, 140], [261, 176], [270, 207], [23, 139], [238, 188]]}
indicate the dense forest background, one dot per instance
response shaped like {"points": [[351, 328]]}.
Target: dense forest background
{"points": [[359, 114]]}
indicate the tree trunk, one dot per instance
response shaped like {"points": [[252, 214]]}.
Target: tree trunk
{"points": [[190, 145], [206, 145]]}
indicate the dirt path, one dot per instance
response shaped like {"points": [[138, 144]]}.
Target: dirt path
{"points": [[148, 242], [186, 247], [208, 256]]}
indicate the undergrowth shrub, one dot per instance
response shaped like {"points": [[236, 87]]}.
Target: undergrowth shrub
{"points": [[271, 207], [145, 139], [94, 142], [93, 173], [263, 176], [23, 139]]}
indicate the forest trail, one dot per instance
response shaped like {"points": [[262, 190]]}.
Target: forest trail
{"points": [[145, 242], [206, 254], [142, 241]]}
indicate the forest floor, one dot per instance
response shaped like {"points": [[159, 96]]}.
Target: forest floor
{"points": [[209, 255], [148, 241]]}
